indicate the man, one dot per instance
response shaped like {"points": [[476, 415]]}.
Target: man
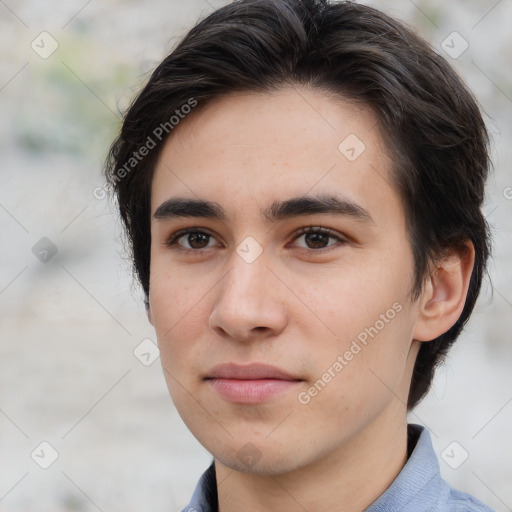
{"points": [[301, 184]]}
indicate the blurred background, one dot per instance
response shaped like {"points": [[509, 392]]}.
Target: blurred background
{"points": [[86, 422]]}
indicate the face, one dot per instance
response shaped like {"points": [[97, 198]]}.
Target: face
{"points": [[328, 309]]}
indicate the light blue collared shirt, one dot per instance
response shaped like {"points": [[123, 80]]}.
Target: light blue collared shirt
{"points": [[417, 488]]}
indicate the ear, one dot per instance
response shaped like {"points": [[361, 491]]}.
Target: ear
{"points": [[148, 311], [444, 293]]}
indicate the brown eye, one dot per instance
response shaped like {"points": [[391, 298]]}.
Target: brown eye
{"points": [[195, 239], [317, 237], [316, 240]]}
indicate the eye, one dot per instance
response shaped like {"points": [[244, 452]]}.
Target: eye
{"points": [[195, 238], [317, 238]]}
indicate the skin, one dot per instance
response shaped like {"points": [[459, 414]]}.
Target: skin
{"points": [[298, 306]]}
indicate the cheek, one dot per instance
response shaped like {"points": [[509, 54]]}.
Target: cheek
{"points": [[179, 328], [173, 292], [368, 312], [176, 310], [348, 299], [354, 380]]}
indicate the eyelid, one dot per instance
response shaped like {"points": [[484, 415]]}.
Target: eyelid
{"points": [[316, 228]]}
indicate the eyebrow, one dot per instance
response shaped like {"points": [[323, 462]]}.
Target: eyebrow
{"points": [[178, 207]]}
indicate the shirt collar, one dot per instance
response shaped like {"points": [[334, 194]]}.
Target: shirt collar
{"points": [[420, 475], [204, 498]]}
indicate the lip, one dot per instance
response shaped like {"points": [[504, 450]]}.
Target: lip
{"points": [[250, 384], [249, 372]]}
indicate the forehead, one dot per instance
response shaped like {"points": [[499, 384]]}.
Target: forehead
{"points": [[247, 151]]}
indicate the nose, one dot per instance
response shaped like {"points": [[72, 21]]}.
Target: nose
{"points": [[250, 301]]}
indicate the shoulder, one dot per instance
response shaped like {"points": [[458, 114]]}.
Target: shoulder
{"points": [[419, 487], [458, 501]]}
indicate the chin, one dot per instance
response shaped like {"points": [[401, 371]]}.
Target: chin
{"points": [[270, 465], [256, 455]]}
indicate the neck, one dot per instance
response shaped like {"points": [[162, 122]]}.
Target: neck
{"points": [[349, 479]]}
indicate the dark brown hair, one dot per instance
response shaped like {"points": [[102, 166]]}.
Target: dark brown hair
{"points": [[428, 118]]}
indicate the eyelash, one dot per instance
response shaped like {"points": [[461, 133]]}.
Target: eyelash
{"points": [[172, 241]]}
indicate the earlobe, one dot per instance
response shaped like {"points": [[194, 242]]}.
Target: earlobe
{"points": [[444, 293]]}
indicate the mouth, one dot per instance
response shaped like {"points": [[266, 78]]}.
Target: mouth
{"points": [[250, 384]]}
